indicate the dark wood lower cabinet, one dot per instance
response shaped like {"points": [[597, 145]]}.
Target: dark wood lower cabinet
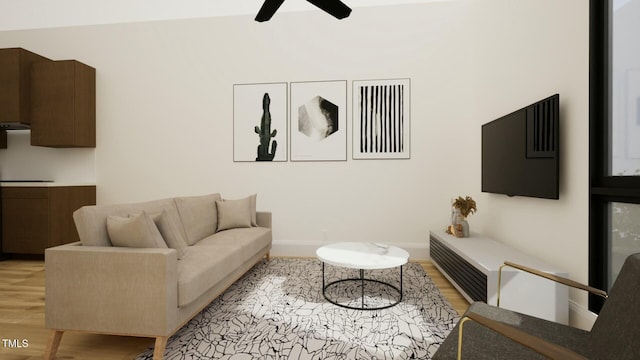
{"points": [[35, 218]]}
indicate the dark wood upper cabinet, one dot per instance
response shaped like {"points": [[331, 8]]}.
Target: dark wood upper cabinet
{"points": [[63, 104], [15, 66]]}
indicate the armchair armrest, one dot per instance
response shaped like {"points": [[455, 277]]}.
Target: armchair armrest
{"points": [[541, 346], [552, 277], [126, 291]]}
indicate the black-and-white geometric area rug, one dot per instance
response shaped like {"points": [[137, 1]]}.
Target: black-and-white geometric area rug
{"points": [[277, 311]]}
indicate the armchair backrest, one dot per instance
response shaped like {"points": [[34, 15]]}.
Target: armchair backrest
{"points": [[616, 331]]}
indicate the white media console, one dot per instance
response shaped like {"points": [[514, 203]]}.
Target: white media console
{"points": [[471, 264]]}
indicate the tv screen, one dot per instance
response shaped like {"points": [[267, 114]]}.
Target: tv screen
{"points": [[520, 151]]}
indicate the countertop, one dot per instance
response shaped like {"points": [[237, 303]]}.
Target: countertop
{"points": [[42, 184]]}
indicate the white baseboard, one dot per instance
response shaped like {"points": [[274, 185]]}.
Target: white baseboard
{"points": [[298, 248]]}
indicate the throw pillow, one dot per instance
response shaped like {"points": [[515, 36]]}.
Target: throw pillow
{"points": [[137, 231], [199, 216], [169, 232], [234, 213], [253, 198]]}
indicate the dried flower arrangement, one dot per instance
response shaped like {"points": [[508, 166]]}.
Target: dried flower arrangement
{"points": [[466, 205]]}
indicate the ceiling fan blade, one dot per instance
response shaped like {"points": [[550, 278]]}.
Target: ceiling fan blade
{"points": [[268, 9], [334, 7]]}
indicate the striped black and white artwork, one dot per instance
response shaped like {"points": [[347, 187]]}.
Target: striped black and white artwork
{"points": [[381, 119]]}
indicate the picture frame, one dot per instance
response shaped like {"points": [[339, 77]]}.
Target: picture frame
{"points": [[381, 119], [260, 122], [318, 121]]}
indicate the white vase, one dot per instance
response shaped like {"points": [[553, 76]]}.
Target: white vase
{"points": [[460, 226], [455, 212], [462, 222]]}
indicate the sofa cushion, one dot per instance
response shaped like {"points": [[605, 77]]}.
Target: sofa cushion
{"points": [[202, 268], [251, 240], [199, 216], [91, 221], [234, 214], [138, 231]]}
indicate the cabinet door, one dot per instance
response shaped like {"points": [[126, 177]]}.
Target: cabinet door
{"points": [[15, 64], [35, 218], [25, 226], [63, 104], [63, 201]]}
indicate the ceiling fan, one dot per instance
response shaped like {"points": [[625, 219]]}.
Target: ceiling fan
{"points": [[334, 7]]}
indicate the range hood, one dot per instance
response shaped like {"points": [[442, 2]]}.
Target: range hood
{"points": [[14, 126]]}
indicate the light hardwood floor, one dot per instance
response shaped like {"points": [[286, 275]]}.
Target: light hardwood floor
{"points": [[22, 293]]}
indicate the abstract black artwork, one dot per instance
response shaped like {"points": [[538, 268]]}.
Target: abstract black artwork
{"points": [[319, 109], [381, 119], [260, 122], [318, 118]]}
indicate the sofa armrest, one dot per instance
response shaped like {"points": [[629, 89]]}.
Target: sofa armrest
{"points": [[112, 290], [263, 218]]}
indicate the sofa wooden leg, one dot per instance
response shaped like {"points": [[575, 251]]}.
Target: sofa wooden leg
{"points": [[268, 256], [158, 349], [52, 345]]}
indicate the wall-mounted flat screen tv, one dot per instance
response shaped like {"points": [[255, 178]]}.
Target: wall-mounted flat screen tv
{"points": [[520, 151]]}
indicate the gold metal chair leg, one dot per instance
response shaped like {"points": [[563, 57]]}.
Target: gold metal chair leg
{"points": [[462, 321], [499, 284]]}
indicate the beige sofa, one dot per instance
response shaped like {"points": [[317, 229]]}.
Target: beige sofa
{"points": [[145, 269]]}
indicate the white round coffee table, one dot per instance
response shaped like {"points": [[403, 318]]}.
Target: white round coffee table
{"points": [[362, 256]]}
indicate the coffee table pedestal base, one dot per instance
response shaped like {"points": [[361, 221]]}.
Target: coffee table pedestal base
{"points": [[362, 281]]}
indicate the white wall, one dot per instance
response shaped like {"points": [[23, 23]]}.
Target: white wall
{"points": [[165, 120], [526, 54]]}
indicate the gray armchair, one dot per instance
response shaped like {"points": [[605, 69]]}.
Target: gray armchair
{"points": [[490, 332]]}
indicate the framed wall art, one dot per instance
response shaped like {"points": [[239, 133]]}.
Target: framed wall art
{"points": [[260, 122], [381, 119], [318, 114]]}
